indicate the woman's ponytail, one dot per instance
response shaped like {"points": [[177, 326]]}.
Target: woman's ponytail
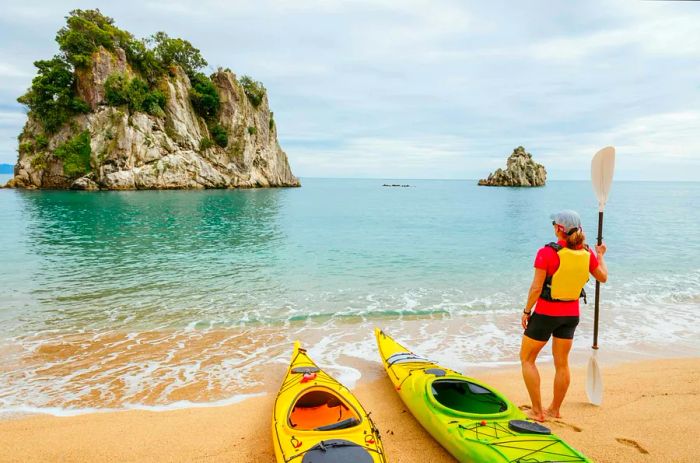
{"points": [[575, 239]]}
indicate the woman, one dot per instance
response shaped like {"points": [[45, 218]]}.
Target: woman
{"points": [[561, 271]]}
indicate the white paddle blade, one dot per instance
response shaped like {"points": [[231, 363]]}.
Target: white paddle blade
{"points": [[602, 169], [594, 381]]}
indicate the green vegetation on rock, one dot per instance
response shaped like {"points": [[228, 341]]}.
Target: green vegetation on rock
{"points": [[87, 30], [207, 103], [51, 97], [134, 93], [38, 161], [155, 56], [254, 90], [204, 96], [26, 147], [218, 133], [173, 51], [41, 142], [75, 154], [252, 130]]}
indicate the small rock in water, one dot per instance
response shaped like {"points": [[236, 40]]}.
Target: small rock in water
{"points": [[521, 170]]}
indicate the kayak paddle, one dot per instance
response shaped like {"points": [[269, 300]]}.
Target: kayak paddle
{"points": [[602, 168]]}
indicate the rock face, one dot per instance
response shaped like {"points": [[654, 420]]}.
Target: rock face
{"points": [[521, 170], [137, 150], [91, 81]]}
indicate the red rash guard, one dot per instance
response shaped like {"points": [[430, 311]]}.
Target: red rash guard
{"points": [[548, 260]]}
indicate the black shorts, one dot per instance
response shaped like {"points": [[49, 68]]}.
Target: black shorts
{"points": [[541, 327]]}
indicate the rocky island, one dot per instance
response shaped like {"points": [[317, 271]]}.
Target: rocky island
{"points": [[115, 112], [521, 170]]}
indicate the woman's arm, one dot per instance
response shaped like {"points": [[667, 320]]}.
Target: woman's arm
{"points": [[601, 271], [534, 294]]}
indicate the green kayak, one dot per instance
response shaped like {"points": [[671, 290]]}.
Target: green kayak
{"points": [[468, 418]]}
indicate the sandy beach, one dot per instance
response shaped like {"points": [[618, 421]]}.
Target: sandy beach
{"points": [[648, 415]]}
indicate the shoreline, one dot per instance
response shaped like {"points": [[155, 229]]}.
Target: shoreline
{"points": [[352, 370], [629, 426], [74, 373]]}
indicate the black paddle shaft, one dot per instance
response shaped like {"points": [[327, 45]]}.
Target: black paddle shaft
{"points": [[597, 285]]}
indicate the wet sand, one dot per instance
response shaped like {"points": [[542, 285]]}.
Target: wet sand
{"points": [[649, 414]]}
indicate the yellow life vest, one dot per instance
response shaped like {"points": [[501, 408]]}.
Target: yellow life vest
{"points": [[568, 281]]}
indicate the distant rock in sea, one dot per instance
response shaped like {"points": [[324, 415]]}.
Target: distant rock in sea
{"points": [[117, 113], [6, 169], [521, 170]]}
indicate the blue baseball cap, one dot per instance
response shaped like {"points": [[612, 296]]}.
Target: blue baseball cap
{"points": [[569, 220]]}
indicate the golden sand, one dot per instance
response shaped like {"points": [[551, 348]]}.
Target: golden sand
{"points": [[649, 414]]}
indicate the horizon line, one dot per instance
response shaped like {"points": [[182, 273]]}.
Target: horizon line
{"points": [[476, 179], [457, 179]]}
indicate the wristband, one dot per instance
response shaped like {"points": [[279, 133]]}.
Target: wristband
{"points": [[526, 312]]}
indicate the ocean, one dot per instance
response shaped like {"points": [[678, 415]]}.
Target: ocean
{"points": [[167, 299]]}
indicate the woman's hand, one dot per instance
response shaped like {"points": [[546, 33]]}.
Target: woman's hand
{"points": [[525, 320], [600, 249], [601, 272]]}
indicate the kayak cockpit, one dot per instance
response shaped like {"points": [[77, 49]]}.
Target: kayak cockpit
{"points": [[322, 410], [467, 397]]}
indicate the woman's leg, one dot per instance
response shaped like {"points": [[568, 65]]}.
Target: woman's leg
{"points": [[562, 377], [529, 350]]}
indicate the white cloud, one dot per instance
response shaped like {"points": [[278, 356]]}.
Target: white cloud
{"points": [[674, 134], [417, 157], [10, 70], [672, 36], [12, 117]]}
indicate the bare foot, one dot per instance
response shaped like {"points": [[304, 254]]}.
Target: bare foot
{"points": [[552, 413], [539, 417]]}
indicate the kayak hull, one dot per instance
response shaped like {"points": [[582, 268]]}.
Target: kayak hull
{"points": [[317, 420], [471, 420]]}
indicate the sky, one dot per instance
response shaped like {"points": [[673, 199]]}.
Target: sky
{"points": [[427, 89]]}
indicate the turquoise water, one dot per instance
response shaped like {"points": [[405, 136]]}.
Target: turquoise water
{"points": [[117, 292]]}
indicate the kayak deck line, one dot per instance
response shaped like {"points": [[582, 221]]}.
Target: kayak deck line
{"points": [[408, 357]]}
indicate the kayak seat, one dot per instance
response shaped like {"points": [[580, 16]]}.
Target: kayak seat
{"points": [[349, 423], [467, 397], [322, 410]]}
